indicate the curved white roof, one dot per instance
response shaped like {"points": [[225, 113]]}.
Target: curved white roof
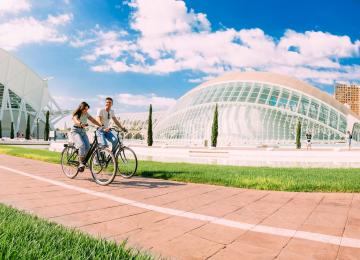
{"points": [[281, 80], [24, 82]]}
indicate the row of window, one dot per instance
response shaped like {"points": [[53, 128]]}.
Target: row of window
{"points": [[15, 100], [268, 95], [239, 123]]}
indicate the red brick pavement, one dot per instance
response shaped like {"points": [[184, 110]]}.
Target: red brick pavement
{"points": [[182, 237]]}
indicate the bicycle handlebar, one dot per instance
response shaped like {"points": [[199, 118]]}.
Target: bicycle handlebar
{"points": [[116, 129]]}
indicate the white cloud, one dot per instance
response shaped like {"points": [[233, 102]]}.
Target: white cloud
{"points": [[14, 6], [122, 102], [26, 30], [159, 103], [169, 37]]}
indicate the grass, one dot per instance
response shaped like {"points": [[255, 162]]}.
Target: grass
{"points": [[263, 178], [23, 236]]}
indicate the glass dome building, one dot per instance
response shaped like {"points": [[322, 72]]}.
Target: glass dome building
{"points": [[255, 108]]}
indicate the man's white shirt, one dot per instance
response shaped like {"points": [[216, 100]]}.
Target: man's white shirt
{"points": [[106, 116]]}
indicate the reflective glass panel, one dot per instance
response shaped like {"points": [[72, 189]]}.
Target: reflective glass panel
{"points": [[314, 108], [294, 102], [274, 97], [283, 99], [264, 95]]}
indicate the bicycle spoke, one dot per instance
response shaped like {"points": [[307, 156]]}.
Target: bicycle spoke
{"points": [[127, 162], [103, 166]]}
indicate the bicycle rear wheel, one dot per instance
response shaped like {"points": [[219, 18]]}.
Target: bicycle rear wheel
{"points": [[70, 161], [103, 166], [127, 162]]}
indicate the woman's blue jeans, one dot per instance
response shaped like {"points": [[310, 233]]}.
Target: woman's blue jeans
{"points": [[81, 140]]}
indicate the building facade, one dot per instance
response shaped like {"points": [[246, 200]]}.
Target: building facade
{"points": [[23, 93], [255, 108], [350, 95]]}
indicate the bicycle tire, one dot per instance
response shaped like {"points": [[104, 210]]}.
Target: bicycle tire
{"points": [[103, 159], [70, 162], [127, 162]]}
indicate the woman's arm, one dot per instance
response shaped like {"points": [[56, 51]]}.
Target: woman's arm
{"points": [[92, 120]]}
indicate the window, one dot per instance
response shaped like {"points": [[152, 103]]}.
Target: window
{"points": [[245, 93], [15, 100], [324, 114], [283, 99], [333, 119], [342, 124], [294, 102], [236, 92], [304, 105], [264, 95], [314, 108], [274, 97], [254, 94]]}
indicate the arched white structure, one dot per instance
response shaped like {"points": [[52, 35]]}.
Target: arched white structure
{"points": [[255, 107], [23, 92]]}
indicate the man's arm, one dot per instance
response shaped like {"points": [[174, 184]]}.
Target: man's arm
{"points": [[118, 123]]}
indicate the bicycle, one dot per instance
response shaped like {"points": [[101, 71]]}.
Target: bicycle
{"points": [[126, 158], [102, 162]]}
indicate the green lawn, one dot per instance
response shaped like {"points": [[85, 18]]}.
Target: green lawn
{"points": [[265, 178], [23, 236]]}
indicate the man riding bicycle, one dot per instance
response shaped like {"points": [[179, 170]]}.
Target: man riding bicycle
{"points": [[104, 116]]}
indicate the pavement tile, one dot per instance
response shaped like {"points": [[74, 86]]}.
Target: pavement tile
{"points": [[309, 249], [161, 231], [188, 247], [123, 225], [244, 251], [92, 203], [347, 253], [96, 216], [218, 233]]}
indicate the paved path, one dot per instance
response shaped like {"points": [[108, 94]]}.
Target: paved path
{"points": [[189, 221]]}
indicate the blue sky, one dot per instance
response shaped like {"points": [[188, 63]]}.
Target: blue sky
{"points": [[143, 51]]}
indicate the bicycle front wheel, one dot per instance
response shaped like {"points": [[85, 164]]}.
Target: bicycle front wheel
{"points": [[70, 162], [103, 166], [127, 162]]}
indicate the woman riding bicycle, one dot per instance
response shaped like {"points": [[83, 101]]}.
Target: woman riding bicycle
{"points": [[78, 133]]}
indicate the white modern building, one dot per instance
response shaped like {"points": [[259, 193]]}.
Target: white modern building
{"points": [[137, 123], [256, 108], [23, 93]]}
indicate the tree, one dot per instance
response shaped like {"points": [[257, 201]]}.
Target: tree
{"points": [[12, 135], [0, 130], [47, 127], [149, 130], [27, 131], [214, 129], [298, 135], [37, 128]]}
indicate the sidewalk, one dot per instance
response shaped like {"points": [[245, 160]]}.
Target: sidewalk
{"points": [[188, 221]]}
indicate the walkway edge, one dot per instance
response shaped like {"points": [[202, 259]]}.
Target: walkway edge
{"points": [[335, 240]]}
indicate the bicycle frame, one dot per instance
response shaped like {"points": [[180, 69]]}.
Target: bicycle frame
{"points": [[93, 146]]}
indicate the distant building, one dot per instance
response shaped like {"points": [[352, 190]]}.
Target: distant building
{"points": [[137, 123], [348, 95], [23, 92], [257, 108]]}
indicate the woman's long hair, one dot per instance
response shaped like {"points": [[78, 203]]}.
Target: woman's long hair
{"points": [[80, 108]]}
